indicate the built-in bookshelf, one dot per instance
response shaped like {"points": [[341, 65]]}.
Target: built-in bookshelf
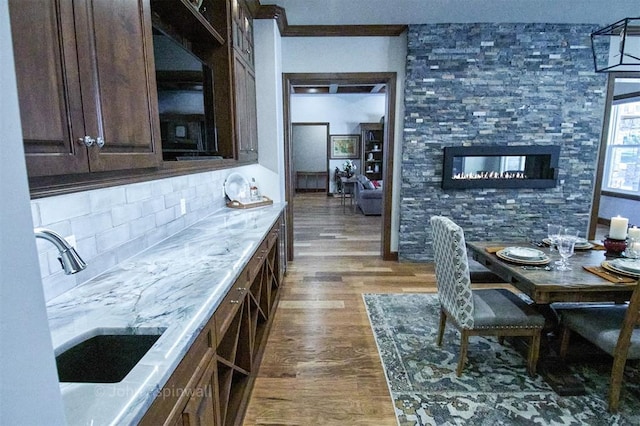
{"points": [[371, 135]]}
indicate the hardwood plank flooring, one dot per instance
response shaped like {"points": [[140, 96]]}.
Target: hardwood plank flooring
{"points": [[321, 365]]}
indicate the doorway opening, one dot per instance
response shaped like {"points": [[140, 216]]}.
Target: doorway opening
{"points": [[386, 81]]}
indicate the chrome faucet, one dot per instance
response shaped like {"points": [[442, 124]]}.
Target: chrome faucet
{"points": [[69, 259]]}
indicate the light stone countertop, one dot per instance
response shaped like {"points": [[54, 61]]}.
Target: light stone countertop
{"points": [[175, 285]]}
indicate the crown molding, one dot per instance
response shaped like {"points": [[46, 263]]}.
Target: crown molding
{"points": [[279, 14]]}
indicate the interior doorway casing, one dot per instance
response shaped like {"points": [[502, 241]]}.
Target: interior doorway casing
{"points": [[389, 80]]}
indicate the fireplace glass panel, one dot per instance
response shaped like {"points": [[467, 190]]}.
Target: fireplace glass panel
{"points": [[500, 167]]}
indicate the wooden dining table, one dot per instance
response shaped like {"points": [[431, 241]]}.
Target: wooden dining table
{"points": [[546, 286]]}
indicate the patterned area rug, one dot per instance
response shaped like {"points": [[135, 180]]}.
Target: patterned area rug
{"points": [[494, 388]]}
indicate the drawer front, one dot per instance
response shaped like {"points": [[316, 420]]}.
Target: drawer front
{"points": [[255, 264], [273, 234], [230, 305]]}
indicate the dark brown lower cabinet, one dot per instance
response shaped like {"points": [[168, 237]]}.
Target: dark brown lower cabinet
{"points": [[213, 383]]}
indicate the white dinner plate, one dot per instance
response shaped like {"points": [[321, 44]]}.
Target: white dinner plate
{"points": [[581, 244], [523, 253], [630, 265], [537, 261], [236, 187], [610, 267]]}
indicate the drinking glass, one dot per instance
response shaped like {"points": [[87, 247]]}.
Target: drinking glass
{"points": [[633, 248], [565, 248], [553, 232], [570, 232]]}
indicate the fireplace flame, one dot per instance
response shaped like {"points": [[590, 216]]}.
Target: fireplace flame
{"points": [[490, 175]]}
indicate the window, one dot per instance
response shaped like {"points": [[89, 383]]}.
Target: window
{"points": [[622, 164]]}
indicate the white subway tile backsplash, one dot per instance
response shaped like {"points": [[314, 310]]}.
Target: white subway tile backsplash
{"points": [[105, 199], [162, 187], [87, 247], [152, 206], [113, 224], [173, 199], [57, 284], [112, 238], [138, 192], [92, 224], [176, 225], [180, 183], [165, 216], [126, 213], [64, 207], [142, 225], [129, 249]]}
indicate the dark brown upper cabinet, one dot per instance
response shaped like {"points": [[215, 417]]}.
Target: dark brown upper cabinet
{"points": [[246, 128], [92, 96], [87, 96]]}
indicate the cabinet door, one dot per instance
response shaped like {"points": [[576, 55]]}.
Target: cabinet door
{"points": [[246, 117], [48, 86], [115, 51], [200, 410], [242, 31]]}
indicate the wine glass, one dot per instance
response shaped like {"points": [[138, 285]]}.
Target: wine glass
{"points": [[553, 232], [566, 245]]}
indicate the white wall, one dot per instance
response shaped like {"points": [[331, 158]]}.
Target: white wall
{"points": [[356, 54], [309, 148], [29, 389], [344, 113], [268, 65]]}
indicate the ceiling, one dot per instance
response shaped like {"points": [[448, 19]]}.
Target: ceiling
{"points": [[400, 12], [407, 12]]}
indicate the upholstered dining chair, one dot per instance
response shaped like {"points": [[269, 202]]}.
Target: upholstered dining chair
{"points": [[488, 312], [612, 328]]}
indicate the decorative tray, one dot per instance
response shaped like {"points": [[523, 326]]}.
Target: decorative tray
{"points": [[246, 204]]}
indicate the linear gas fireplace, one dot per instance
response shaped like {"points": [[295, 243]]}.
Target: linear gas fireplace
{"points": [[533, 166]]}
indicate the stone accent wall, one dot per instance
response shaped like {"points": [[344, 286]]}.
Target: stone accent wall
{"points": [[498, 84]]}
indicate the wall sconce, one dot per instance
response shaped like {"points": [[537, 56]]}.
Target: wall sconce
{"points": [[617, 46]]}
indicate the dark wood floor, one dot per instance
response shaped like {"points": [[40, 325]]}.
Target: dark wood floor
{"points": [[321, 365]]}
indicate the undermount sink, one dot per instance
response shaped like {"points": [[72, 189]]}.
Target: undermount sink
{"points": [[105, 355]]}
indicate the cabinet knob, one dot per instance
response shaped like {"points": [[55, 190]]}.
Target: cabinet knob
{"points": [[234, 302], [87, 141], [100, 141]]}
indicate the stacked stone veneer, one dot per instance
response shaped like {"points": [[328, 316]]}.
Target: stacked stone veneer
{"points": [[498, 84]]}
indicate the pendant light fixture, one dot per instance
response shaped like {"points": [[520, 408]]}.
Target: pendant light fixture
{"points": [[617, 46]]}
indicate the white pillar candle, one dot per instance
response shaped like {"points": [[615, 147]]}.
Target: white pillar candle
{"points": [[634, 233], [618, 228]]}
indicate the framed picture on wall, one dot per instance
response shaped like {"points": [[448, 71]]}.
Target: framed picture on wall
{"points": [[345, 146]]}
